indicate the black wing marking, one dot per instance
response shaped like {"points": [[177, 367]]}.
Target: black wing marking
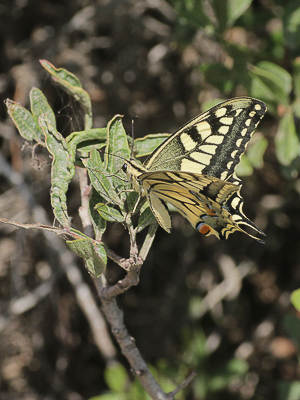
{"points": [[211, 143]]}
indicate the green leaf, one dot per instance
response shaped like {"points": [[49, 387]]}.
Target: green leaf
{"points": [[288, 390], [235, 9], [221, 14], [87, 140], [191, 13], [72, 85], [237, 367], [62, 170], [93, 253], [256, 150], [292, 326], [241, 57], [39, 105], [109, 213], [149, 143], [296, 107], [131, 200], [77, 234], [291, 24], [295, 299], [296, 77], [61, 74], [116, 377], [218, 76], [228, 374], [281, 77], [146, 218], [98, 222], [244, 167], [286, 140], [100, 179], [110, 396], [271, 83], [116, 153], [117, 149], [228, 11], [24, 122]]}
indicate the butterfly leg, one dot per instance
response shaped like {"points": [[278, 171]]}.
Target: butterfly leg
{"points": [[136, 204]]}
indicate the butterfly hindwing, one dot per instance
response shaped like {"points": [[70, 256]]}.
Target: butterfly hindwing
{"points": [[202, 200]]}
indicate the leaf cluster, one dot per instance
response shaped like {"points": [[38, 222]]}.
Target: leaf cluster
{"points": [[102, 151], [262, 61]]}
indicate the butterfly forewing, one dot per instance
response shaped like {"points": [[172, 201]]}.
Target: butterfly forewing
{"points": [[212, 143]]}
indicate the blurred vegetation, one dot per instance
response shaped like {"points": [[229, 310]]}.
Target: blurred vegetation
{"points": [[192, 310]]}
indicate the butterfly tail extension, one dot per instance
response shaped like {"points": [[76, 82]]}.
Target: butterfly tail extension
{"points": [[235, 207], [247, 222], [252, 236], [160, 211], [233, 226], [216, 218], [222, 233]]}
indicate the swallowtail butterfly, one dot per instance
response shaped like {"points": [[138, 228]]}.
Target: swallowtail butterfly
{"points": [[194, 169]]}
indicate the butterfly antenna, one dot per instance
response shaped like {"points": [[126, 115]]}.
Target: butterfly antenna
{"points": [[132, 134]]}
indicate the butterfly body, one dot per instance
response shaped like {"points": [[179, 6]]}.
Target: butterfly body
{"points": [[194, 169]]}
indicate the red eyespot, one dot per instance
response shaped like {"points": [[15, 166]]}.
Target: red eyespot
{"points": [[203, 228]]}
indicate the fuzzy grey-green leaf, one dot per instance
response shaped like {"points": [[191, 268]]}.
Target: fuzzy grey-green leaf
{"points": [[62, 170], [72, 85], [116, 152], [271, 83], [87, 140], [98, 222], [24, 121], [149, 143], [109, 213], [39, 105], [131, 200], [146, 218], [93, 254], [100, 179]]}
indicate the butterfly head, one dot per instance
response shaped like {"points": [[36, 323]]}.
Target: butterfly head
{"points": [[134, 170]]}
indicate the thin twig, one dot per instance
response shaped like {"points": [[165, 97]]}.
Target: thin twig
{"points": [[127, 344], [185, 383], [131, 279], [121, 261], [133, 268], [38, 225]]}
